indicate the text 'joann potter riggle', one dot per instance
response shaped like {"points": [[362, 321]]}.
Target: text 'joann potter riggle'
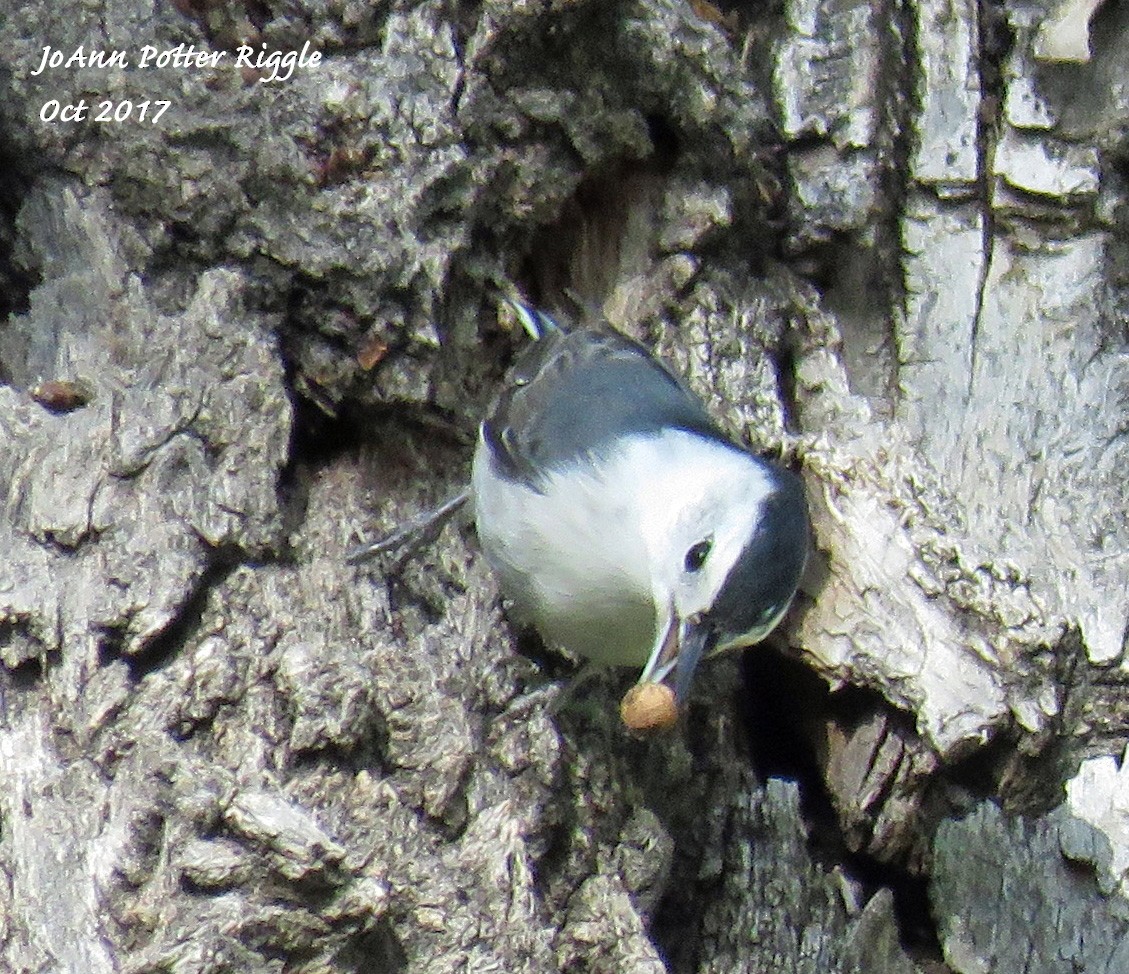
{"points": [[275, 65]]}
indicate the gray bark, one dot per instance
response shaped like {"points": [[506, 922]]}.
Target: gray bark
{"points": [[883, 240]]}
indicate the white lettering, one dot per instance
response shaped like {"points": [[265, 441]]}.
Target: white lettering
{"points": [[275, 65], [51, 59], [107, 59]]}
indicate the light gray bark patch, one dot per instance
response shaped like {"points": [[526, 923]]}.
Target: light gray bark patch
{"points": [[1021, 894], [115, 510], [766, 852]]}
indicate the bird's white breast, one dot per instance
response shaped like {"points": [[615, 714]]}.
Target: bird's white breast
{"points": [[583, 556], [571, 557]]}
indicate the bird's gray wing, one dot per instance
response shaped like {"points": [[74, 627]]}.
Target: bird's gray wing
{"points": [[572, 393]]}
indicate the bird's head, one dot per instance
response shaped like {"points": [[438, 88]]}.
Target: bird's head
{"points": [[728, 565]]}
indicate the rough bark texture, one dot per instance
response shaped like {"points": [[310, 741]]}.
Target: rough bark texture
{"points": [[886, 240]]}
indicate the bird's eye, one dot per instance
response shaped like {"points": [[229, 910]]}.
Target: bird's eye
{"points": [[697, 555]]}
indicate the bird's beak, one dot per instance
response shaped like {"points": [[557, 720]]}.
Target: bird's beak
{"points": [[662, 657], [684, 643], [696, 640], [682, 646]]}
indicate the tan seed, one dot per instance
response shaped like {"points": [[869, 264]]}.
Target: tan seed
{"points": [[648, 706]]}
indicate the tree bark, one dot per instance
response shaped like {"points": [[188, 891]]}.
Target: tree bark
{"points": [[885, 241]]}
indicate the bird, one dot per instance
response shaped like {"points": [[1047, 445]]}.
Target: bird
{"points": [[622, 522]]}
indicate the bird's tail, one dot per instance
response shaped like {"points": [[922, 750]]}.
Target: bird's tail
{"points": [[536, 323]]}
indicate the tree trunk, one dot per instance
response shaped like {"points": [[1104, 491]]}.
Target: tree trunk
{"points": [[885, 241]]}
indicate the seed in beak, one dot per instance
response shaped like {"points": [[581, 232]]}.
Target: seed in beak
{"points": [[648, 707]]}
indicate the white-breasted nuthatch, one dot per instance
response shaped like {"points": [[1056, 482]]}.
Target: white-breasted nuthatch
{"points": [[621, 521]]}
